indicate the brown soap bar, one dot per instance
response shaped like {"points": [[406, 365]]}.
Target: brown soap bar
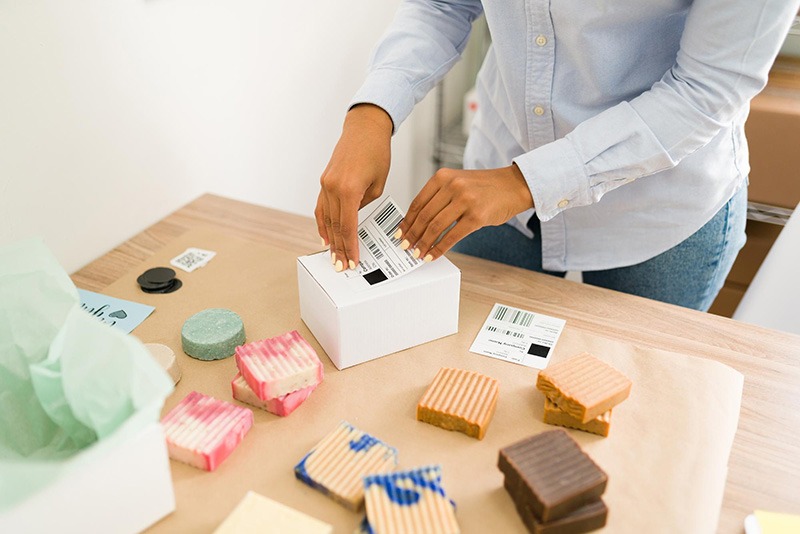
{"points": [[459, 400], [590, 517], [553, 415], [584, 386], [551, 475]]}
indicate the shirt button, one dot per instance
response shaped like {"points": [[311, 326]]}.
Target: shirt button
{"points": [[563, 204], [539, 110], [541, 40]]}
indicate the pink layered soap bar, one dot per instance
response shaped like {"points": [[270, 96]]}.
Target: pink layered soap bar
{"points": [[202, 431], [280, 365], [283, 405]]}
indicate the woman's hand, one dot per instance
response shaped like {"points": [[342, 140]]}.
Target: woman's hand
{"points": [[354, 177], [470, 199]]}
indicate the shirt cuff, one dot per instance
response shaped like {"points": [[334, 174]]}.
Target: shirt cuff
{"points": [[389, 90], [556, 177]]}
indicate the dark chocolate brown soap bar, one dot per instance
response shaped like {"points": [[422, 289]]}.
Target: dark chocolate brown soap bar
{"points": [[552, 478], [585, 519]]}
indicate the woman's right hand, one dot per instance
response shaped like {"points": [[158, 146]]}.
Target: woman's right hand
{"points": [[355, 176]]}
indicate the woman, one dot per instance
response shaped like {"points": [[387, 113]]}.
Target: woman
{"points": [[609, 138]]}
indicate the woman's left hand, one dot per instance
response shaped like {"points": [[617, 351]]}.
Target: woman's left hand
{"points": [[470, 199]]}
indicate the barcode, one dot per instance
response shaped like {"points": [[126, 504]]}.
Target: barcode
{"points": [[389, 219], [504, 332], [367, 239], [517, 317]]}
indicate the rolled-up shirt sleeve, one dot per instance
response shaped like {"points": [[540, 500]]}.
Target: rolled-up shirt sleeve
{"points": [[724, 58], [425, 39]]}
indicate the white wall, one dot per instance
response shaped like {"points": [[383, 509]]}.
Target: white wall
{"points": [[115, 113]]}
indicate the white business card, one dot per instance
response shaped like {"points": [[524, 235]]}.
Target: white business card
{"points": [[518, 336], [192, 259]]}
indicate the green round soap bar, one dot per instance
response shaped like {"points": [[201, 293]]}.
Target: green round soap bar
{"points": [[212, 334]]}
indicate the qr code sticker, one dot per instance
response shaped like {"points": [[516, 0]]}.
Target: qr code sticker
{"points": [[192, 259]]}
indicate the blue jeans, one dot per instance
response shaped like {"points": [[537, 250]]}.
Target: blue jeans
{"points": [[690, 274]]}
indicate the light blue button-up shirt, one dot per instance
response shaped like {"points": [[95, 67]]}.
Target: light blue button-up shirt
{"points": [[626, 117]]}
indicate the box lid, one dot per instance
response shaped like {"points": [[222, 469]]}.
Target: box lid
{"points": [[344, 293]]}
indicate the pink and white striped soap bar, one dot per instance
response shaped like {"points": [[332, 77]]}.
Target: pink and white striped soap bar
{"points": [[202, 431], [276, 366], [283, 405]]}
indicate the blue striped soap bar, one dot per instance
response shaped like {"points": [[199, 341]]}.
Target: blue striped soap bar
{"points": [[409, 501], [338, 464]]}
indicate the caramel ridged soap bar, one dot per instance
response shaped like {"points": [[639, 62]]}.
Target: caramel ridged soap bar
{"points": [[459, 400], [551, 474], [584, 386], [553, 415], [338, 464]]}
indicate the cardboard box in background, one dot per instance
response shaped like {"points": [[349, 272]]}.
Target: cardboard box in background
{"points": [[357, 326], [119, 485], [773, 135], [760, 237]]}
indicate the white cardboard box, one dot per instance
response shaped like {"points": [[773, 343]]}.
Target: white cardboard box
{"points": [[357, 326], [116, 486]]}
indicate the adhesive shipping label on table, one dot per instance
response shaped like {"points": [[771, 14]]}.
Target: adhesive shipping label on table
{"points": [[380, 257], [518, 336]]}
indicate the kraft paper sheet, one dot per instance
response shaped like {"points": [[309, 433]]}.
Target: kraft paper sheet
{"points": [[666, 455]]}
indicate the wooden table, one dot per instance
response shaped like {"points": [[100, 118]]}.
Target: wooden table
{"points": [[765, 460]]}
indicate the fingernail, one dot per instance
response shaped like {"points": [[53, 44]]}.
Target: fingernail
{"points": [[416, 253], [398, 234], [333, 258], [322, 241], [405, 244], [352, 264], [339, 266], [428, 258]]}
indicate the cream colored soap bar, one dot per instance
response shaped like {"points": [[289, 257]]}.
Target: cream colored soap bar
{"points": [[165, 357], [256, 514]]}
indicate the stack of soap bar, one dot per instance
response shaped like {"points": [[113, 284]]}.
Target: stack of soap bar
{"points": [[283, 405], [459, 400], [274, 369], [409, 501], [202, 431], [256, 514], [212, 334], [555, 486], [581, 391], [338, 464]]}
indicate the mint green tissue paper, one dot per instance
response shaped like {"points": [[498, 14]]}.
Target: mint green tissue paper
{"points": [[35, 297], [70, 386]]}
